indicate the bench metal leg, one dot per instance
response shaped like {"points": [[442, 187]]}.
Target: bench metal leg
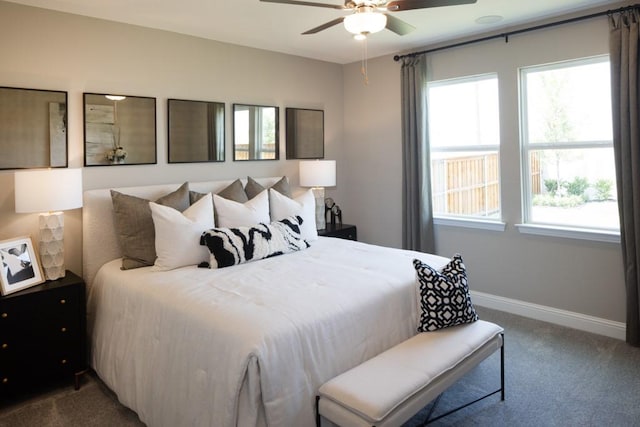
{"points": [[502, 369], [429, 420]]}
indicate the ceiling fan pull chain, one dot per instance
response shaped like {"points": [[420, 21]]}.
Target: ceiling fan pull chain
{"points": [[363, 68]]}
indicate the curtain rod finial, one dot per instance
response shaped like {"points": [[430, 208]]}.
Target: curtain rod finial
{"points": [[396, 58]]}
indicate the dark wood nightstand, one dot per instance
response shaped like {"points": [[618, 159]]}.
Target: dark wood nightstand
{"points": [[42, 335], [342, 231]]}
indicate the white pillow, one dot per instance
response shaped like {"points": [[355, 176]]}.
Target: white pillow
{"points": [[231, 214], [304, 205], [178, 234]]}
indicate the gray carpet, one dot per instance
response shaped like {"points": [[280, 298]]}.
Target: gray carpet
{"points": [[555, 376]]}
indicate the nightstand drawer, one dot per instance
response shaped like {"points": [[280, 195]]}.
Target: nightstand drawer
{"points": [[41, 317]]}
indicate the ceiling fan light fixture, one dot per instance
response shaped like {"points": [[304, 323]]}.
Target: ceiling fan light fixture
{"points": [[365, 21], [360, 36]]}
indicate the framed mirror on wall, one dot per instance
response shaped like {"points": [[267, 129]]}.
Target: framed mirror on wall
{"points": [[255, 132], [196, 131], [119, 130], [305, 133], [33, 128]]}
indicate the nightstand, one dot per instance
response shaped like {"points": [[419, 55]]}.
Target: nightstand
{"points": [[342, 231], [42, 335]]}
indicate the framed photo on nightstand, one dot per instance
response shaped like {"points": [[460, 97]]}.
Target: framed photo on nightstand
{"points": [[20, 266]]}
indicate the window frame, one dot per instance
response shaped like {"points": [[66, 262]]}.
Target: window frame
{"points": [[462, 220], [528, 225]]}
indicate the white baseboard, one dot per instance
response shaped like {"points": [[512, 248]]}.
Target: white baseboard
{"points": [[570, 319]]}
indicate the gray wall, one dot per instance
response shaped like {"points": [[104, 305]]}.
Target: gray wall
{"points": [[49, 50], [578, 276]]}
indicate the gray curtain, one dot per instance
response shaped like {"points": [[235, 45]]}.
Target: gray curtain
{"points": [[417, 224], [623, 41], [215, 131]]}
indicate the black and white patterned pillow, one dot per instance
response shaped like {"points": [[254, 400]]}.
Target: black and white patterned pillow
{"points": [[231, 246], [444, 298]]}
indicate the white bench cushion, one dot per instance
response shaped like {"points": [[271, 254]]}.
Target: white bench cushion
{"points": [[374, 389]]}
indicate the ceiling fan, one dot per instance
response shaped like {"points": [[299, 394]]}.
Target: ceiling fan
{"points": [[369, 15]]}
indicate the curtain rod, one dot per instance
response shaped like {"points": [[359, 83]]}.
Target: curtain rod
{"points": [[523, 30]]}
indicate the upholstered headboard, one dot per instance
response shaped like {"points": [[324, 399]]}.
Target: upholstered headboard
{"points": [[99, 239]]}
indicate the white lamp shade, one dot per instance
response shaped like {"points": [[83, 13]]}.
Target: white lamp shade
{"points": [[365, 22], [48, 190], [317, 173]]}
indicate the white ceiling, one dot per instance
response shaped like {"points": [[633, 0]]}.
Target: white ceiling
{"points": [[278, 27]]}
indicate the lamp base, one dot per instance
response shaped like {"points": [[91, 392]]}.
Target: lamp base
{"points": [[51, 246], [321, 222]]}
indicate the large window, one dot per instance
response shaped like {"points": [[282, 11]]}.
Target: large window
{"points": [[568, 166], [464, 138]]}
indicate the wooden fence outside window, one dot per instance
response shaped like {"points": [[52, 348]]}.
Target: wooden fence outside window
{"points": [[470, 185]]}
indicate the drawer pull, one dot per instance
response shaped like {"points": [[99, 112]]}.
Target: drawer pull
{"points": [[63, 361], [5, 315], [63, 329], [5, 345], [5, 380], [63, 301]]}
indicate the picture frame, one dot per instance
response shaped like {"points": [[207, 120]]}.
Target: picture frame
{"points": [[33, 128], [256, 132], [196, 131], [119, 130], [20, 265], [305, 133]]}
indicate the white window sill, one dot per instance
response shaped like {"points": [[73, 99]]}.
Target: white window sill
{"points": [[470, 223], [570, 233]]}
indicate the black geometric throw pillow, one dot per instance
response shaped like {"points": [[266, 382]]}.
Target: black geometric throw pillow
{"points": [[443, 295]]}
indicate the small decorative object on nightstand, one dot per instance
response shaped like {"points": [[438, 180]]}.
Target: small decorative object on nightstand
{"points": [[332, 212], [342, 231], [42, 335]]}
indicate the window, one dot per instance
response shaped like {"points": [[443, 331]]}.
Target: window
{"points": [[464, 139], [567, 148]]}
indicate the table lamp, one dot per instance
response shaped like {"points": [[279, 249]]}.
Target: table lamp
{"points": [[49, 191], [318, 174]]}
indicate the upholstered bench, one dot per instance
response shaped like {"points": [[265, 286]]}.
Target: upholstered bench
{"points": [[390, 388]]}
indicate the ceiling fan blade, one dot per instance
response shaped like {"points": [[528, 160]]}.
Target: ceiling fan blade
{"points": [[398, 26], [400, 5], [325, 26], [306, 3]]}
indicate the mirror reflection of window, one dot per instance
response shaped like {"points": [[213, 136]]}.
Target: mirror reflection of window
{"points": [[255, 130], [196, 131]]}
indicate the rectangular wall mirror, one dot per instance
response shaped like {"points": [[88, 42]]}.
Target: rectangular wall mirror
{"points": [[196, 131], [119, 129], [33, 128], [255, 132], [305, 133]]}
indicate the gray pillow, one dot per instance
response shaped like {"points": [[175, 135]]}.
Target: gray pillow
{"points": [[233, 191], [253, 188], [134, 225]]}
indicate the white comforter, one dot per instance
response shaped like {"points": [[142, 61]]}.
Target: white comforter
{"points": [[249, 344]]}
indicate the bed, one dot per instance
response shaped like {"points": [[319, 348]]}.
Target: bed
{"points": [[247, 345]]}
